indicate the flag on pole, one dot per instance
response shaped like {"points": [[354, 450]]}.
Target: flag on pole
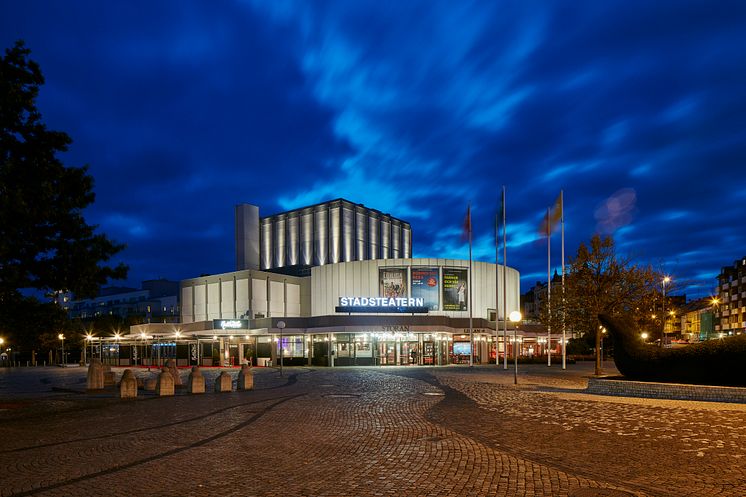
{"points": [[551, 218], [466, 233]]}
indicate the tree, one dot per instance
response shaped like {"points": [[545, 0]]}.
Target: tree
{"points": [[599, 281], [45, 243]]}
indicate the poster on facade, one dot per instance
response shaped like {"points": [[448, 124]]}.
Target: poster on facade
{"points": [[393, 282], [425, 286], [455, 289]]}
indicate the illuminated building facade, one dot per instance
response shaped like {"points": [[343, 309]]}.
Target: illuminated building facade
{"points": [[336, 285], [730, 313], [293, 242]]}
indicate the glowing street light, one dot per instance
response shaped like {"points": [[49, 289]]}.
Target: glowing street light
{"points": [[515, 318], [644, 335], [281, 325], [666, 280], [89, 338], [62, 339]]}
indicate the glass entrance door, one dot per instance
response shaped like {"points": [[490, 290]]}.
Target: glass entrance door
{"points": [[387, 353]]}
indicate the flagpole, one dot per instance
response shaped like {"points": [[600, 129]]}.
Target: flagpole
{"points": [[562, 221], [505, 288], [549, 287], [497, 288], [470, 290]]}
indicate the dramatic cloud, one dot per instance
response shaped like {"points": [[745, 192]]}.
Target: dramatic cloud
{"points": [[635, 109]]}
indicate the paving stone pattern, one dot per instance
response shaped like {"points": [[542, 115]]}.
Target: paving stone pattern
{"points": [[375, 432]]}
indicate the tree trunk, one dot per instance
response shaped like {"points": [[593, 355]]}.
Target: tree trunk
{"points": [[598, 351]]}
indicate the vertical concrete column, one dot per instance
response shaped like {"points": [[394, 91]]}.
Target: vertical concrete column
{"points": [[235, 299], [331, 350], [269, 298]]}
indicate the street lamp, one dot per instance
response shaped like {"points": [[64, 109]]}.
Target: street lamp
{"points": [[62, 339], [281, 325], [515, 318], [89, 337], [644, 335], [666, 279]]}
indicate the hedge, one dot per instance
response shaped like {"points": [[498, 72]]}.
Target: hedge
{"points": [[713, 362]]}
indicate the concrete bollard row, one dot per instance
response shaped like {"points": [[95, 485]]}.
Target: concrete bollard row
{"points": [[165, 383]]}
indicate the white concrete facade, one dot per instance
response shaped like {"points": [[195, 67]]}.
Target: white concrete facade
{"points": [[361, 278]]}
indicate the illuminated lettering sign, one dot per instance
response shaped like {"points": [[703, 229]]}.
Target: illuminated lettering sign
{"points": [[381, 301], [230, 324], [382, 304]]}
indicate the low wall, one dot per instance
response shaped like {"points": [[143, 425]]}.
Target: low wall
{"points": [[674, 391]]}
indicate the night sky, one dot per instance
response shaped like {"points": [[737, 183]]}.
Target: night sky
{"points": [[637, 110]]}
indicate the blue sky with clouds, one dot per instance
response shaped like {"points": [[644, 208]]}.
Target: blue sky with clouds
{"points": [[637, 110]]}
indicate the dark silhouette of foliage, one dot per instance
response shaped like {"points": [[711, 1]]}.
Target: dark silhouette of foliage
{"points": [[46, 246], [713, 362]]}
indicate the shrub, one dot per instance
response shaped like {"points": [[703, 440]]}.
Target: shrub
{"points": [[714, 362]]}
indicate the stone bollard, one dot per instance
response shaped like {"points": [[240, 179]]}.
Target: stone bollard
{"points": [[196, 383], [245, 378], [224, 382], [128, 385], [165, 385], [109, 380], [95, 379], [150, 384], [171, 365]]}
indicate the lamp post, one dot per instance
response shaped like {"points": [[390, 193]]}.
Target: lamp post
{"points": [[117, 337], [62, 339], [281, 325], [89, 338], [666, 279], [515, 318], [715, 302]]}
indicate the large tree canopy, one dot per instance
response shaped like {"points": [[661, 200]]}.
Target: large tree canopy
{"points": [[45, 242], [599, 281]]}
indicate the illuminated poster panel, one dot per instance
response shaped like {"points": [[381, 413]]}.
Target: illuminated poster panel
{"points": [[455, 289], [425, 285], [393, 282]]}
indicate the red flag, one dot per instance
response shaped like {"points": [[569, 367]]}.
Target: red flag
{"points": [[466, 233], [552, 218]]}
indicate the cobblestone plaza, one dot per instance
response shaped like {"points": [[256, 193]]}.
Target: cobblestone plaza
{"points": [[366, 431]]}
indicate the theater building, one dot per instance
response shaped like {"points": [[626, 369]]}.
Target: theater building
{"points": [[331, 285]]}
